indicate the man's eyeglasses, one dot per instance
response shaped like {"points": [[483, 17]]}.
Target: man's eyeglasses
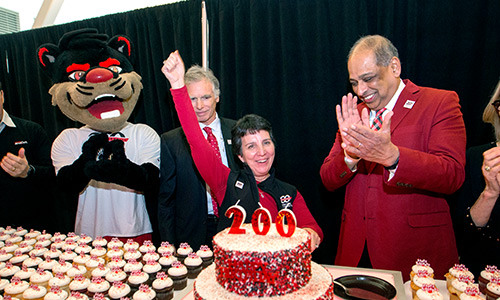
{"points": [[496, 104]]}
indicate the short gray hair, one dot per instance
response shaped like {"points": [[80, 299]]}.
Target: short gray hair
{"points": [[383, 48], [197, 73]]}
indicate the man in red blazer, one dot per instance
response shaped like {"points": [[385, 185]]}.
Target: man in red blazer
{"points": [[398, 175]]}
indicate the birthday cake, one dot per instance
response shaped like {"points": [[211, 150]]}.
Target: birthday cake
{"points": [[250, 265]]}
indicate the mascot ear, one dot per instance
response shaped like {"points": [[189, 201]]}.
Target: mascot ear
{"points": [[122, 44], [46, 56]]}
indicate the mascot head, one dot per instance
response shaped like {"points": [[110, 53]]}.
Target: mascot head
{"points": [[94, 81]]}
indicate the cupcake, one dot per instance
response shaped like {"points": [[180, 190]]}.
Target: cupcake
{"points": [[72, 237], [119, 290], [24, 247], [76, 270], [43, 242], [38, 251], [18, 258], [98, 285], [56, 293], [25, 273], [132, 254], [58, 243], [32, 234], [69, 245], [130, 245], [193, 263], [14, 239], [32, 261], [5, 256], [20, 231], [41, 277], [79, 284], [16, 288], [99, 241], [163, 286], [493, 288], [137, 278], [116, 262], [458, 286], [178, 273], [77, 296], [61, 281], [8, 271], [166, 260], [81, 259], [100, 271], [166, 247], [44, 235], [206, 255], [116, 274], [100, 296], [58, 236], [420, 278], [61, 266], [98, 251], [9, 230], [144, 293], [84, 239], [183, 251], [428, 292], [9, 247], [53, 253], [485, 277], [34, 292], [150, 255], [82, 247], [93, 263], [151, 268], [30, 242], [132, 265], [68, 255], [455, 271], [471, 293], [47, 264], [147, 246], [115, 242], [115, 251]]}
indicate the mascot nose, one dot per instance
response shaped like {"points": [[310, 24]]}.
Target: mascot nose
{"points": [[99, 75]]}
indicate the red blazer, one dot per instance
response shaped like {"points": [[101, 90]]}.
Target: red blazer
{"points": [[406, 218]]}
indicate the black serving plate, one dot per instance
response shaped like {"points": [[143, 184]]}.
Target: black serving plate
{"points": [[366, 282]]}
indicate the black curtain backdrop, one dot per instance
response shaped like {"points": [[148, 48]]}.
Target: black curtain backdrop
{"points": [[284, 60]]}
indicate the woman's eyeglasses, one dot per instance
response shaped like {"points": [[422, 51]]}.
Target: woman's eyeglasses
{"points": [[496, 104]]}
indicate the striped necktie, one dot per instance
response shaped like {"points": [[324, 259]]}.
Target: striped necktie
{"points": [[377, 121]]}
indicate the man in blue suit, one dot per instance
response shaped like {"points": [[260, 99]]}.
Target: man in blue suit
{"points": [[186, 212]]}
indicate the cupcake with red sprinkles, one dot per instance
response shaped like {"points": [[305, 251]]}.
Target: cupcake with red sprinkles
{"points": [[194, 265], [144, 293], [119, 290], [163, 286], [206, 255], [485, 277], [178, 273], [183, 251], [166, 260]]}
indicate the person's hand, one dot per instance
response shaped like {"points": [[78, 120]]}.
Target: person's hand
{"points": [[173, 69], [315, 239], [491, 170], [368, 144], [348, 115], [16, 165]]}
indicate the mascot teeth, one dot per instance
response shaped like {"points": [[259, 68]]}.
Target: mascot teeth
{"points": [[110, 114], [105, 95]]}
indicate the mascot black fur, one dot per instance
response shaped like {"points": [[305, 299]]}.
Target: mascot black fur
{"points": [[109, 164]]}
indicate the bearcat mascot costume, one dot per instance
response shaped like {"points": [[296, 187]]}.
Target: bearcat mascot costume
{"points": [[110, 164]]}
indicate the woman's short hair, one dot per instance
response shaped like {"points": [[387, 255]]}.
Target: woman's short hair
{"points": [[249, 124], [490, 114]]}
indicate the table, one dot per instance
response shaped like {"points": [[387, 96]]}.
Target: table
{"points": [[394, 277]]}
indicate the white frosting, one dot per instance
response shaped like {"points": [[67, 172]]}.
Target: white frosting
{"points": [[17, 259], [140, 295], [113, 276], [132, 266], [205, 253], [132, 254], [464, 296], [420, 281], [423, 295], [151, 268], [101, 272], [167, 260], [16, 288], [118, 292], [487, 275], [76, 270], [151, 256], [81, 260], [79, 297], [63, 268], [459, 285], [493, 287], [191, 261], [116, 263], [9, 271], [25, 274], [65, 280], [41, 277], [3, 283], [47, 265], [137, 279], [32, 261], [34, 293], [61, 295], [98, 287], [78, 285], [180, 271], [52, 253], [160, 284]]}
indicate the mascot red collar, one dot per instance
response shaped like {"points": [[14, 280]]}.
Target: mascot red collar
{"points": [[94, 81]]}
